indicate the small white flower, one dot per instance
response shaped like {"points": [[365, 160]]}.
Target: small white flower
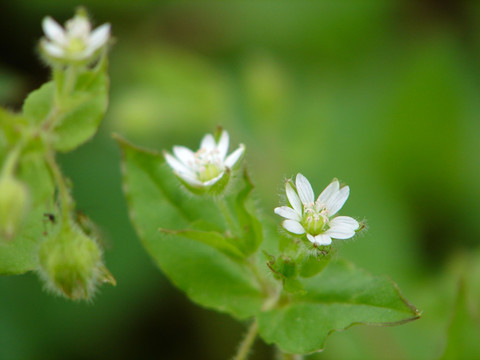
{"points": [[315, 217], [75, 42], [204, 168]]}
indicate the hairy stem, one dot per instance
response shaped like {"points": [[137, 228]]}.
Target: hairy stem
{"points": [[65, 198], [247, 342]]}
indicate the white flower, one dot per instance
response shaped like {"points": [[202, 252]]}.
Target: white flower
{"points": [[76, 42], [315, 217], [204, 168]]}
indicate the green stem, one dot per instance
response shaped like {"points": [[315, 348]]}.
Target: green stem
{"points": [[227, 214], [12, 160], [247, 342], [65, 198]]}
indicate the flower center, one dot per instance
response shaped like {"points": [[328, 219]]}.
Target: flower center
{"points": [[208, 172], [314, 219], [208, 164], [76, 45]]}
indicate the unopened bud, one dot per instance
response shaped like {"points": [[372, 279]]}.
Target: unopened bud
{"points": [[70, 263], [13, 205]]}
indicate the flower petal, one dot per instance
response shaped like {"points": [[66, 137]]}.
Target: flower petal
{"points": [[52, 49], [323, 239], [99, 36], [287, 213], [189, 179], [54, 31], [342, 227], [293, 199], [293, 227], [208, 143], [232, 159], [336, 201], [330, 190], [222, 146], [178, 166], [185, 155], [214, 180], [305, 191], [311, 238]]}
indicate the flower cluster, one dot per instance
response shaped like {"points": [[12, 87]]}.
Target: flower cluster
{"points": [[209, 165], [74, 43], [315, 218]]}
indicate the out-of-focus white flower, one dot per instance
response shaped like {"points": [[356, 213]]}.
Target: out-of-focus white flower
{"points": [[206, 167], [76, 42], [315, 218]]}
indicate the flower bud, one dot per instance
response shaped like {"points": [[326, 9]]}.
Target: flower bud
{"points": [[13, 205], [70, 263]]}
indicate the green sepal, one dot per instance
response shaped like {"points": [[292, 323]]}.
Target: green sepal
{"points": [[313, 262]]}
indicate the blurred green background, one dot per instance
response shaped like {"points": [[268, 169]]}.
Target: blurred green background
{"points": [[384, 95]]}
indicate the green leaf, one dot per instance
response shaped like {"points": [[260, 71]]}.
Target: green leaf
{"points": [[211, 238], [335, 299], [251, 228], [85, 109], [156, 200], [39, 103], [76, 115], [19, 255]]}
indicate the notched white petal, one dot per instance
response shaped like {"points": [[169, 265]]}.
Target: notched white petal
{"points": [[208, 143], [305, 191], [222, 146], [293, 226], [311, 238], [52, 49], [323, 239], [177, 165], [330, 190], [342, 227], [185, 155], [345, 221], [287, 213], [293, 198], [189, 179], [233, 158], [54, 31], [99, 36], [336, 202]]}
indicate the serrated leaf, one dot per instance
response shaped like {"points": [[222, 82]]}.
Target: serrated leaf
{"points": [[19, 255], [335, 299], [156, 200]]}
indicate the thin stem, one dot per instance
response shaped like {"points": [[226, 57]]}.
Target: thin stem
{"points": [[247, 342], [227, 214], [12, 160], [65, 199]]}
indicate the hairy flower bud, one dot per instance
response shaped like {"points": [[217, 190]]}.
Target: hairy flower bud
{"points": [[13, 205], [70, 263]]}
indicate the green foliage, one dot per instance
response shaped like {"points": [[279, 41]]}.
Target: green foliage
{"points": [[196, 265], [203, 244], [339, 297]]}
